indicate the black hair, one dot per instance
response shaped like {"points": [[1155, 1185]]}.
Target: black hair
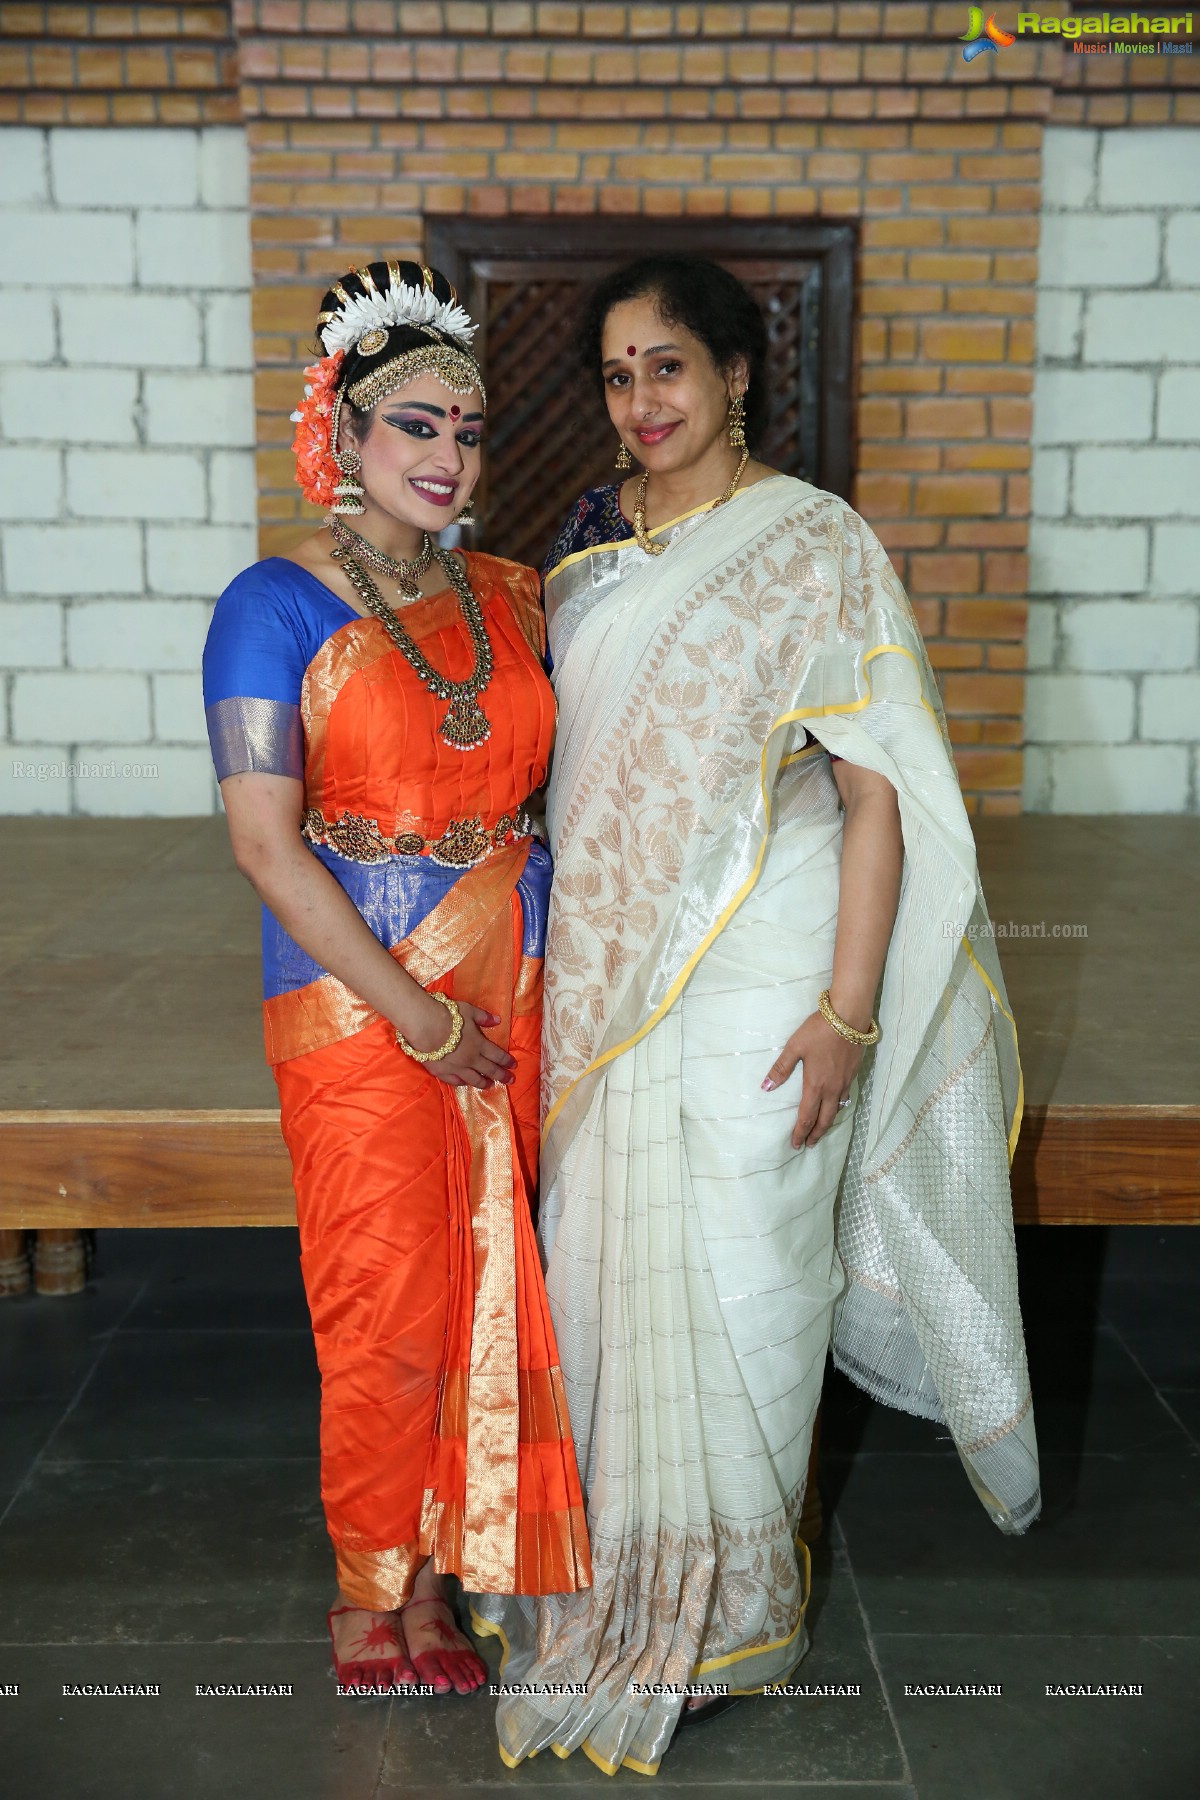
{"points": [[706, 300], [399, 337]]}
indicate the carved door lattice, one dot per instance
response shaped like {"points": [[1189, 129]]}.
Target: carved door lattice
{"points": [[549, 435]]}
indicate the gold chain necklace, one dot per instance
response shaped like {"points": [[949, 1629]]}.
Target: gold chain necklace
{"points": [[465, 726], [406, 575], [639, 507]]}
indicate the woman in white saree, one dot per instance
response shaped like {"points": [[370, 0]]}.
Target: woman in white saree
{"points": [[759, 841]]}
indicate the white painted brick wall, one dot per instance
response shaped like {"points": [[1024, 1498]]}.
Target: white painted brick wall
{"points": [[127, 471], [1113, 698]]}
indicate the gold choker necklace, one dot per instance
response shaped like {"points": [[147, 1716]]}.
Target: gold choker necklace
{"points": [[406, 575], [639, 507]]}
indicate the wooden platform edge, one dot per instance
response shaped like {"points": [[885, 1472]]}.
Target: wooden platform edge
{"points": [[1075, 1165], [1085, 1165], [131, 1169]]}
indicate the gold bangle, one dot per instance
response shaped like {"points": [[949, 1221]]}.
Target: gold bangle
{"points": [[861, 1038], [452, 1042]]}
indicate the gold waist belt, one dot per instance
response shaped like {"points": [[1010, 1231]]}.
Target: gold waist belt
{"points": [[463, 844]]}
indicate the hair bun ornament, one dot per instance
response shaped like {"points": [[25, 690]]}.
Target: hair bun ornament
{"points": [[317, 474], [401, 303]]}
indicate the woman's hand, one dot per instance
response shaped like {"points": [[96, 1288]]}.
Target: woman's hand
{"points": [[830, 1065], [475, 1062]]}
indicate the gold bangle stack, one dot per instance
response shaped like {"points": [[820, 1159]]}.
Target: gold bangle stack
{"points": [[452, 1042], [862, 1038]]}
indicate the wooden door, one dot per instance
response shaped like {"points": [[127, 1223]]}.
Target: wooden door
{"points": [[549, 436]]}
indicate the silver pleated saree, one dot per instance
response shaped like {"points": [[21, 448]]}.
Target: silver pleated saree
{"points": [[696, 1264]]}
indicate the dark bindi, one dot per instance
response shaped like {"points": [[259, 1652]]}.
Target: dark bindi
{"points": [[455, 411], [631, 350]]}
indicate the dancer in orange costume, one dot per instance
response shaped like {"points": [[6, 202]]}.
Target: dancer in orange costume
{"points": [[375, 756]]}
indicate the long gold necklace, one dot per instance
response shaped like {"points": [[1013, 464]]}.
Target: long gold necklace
{"points": [[639, 507], [465, 726], [406, 575]]}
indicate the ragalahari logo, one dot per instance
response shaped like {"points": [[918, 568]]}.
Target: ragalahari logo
{"points": [[979, 37]]}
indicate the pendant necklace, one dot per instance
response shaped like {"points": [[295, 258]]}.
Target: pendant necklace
{"points": [[465, 725]]}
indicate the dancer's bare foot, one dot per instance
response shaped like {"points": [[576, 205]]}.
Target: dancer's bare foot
{"points": [[368, 1647], [441, 1655]]}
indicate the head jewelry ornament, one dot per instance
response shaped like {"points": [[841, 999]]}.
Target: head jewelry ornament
{"points": [[400, 303]]}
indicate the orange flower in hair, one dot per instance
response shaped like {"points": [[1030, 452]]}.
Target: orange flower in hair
{"points": [[316, 472]]}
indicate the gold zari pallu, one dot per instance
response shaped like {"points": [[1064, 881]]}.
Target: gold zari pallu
{"points": [[464, 844]]}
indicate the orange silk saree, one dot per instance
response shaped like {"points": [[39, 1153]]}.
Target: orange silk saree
{"points": [[444, 1429]]}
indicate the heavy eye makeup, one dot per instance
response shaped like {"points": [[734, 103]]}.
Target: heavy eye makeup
{"points": [[414, 425]]}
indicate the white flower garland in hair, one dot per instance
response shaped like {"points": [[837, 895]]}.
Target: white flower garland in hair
{"points": [[399, 304]]}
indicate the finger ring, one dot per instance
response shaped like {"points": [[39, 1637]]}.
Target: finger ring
{"points": [[843, 1102]]}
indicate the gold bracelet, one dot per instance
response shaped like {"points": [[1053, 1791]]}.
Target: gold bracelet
{"points": [[861, 1038], [452, 1042]]}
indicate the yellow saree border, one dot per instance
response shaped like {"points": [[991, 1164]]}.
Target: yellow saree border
{"points": [[747, 888], [486, 1628], [1019, 1108]]}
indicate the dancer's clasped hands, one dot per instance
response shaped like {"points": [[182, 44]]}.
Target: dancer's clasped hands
{"points": [[475, 1061]]}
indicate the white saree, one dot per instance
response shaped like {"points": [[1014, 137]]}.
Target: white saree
{"points": [[696, 1264]]}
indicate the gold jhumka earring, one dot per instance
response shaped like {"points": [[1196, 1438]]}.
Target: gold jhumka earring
{"points": [[348, 494], [737, 422], [624, 460]]}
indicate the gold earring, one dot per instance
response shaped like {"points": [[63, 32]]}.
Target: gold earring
{"points": [[624, 460], [737, 422], [348, 494], [467, 515]]}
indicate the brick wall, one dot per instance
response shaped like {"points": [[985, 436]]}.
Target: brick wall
{"points": [[127, 472], [1113, 713], [109, 64]]}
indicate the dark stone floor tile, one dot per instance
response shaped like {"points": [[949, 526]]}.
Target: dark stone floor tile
{"points": [[184, 1394], [1026, 1743], [48, 1345], [165, 1552], [25, 1427], [181, 1746], [764, 1741], [1114, 1552], [1157, 1323], [225, 1279], [1153, 1253], [1185, 1404], [1102, 1405]]}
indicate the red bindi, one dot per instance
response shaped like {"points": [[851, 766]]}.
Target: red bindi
{"points": [[455, 411], [631, 350]]}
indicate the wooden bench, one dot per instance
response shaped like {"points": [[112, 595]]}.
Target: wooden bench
{"points": [[133, 1090]]}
